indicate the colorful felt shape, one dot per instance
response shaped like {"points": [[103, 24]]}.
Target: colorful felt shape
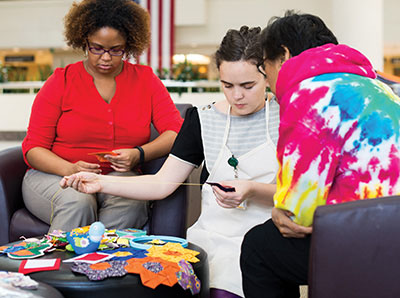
{"points": [[100, 271], [29, 251], [86, 239], [173, 252], [145, 242], [80, 230], [12, 248], [126, 253], [29, 266], [58, 242], [100, 155], [91, 258], [154, 271], [82, 244], [187, 279]]}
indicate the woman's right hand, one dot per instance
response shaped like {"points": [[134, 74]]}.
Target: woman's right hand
{"points": [[84, 182], [83, 166]]}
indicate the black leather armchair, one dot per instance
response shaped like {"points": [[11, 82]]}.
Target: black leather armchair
{"points": [[167, 217], [355, 249]]}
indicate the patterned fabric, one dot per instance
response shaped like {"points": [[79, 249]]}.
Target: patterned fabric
{"points": [[153, 271], [187, 279], [100, 271], [339, 132]]}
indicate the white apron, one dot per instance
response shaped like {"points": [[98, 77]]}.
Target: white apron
{"points": [[220, 231]]}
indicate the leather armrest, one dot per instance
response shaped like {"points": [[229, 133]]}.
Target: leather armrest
{"points": [[12, 171]]}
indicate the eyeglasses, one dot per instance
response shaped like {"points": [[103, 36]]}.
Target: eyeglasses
{"points": [[101, 51], [261, 67]]}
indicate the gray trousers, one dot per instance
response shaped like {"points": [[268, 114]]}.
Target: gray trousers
{"points": [[66, 209]]}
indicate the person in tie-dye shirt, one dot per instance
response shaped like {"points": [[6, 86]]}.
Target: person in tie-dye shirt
{"points": [[339, 141]]}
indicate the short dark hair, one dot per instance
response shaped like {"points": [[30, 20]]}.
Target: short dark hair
{"points": [[297, 32], [242, 44], [127, 17]]}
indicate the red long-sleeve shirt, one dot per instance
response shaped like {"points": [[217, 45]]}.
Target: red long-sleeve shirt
{"points": [[70, 118]]}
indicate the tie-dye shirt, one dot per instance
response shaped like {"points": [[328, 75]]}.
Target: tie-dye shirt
{"points": [[339, 132]]}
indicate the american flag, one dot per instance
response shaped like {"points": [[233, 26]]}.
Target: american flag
{"points": [[159, 55]]}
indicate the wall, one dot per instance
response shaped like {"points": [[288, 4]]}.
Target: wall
{"points": [[222, 15], [32, 24]]}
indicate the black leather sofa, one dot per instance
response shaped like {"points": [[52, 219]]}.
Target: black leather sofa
{"points": [[355, 250]]}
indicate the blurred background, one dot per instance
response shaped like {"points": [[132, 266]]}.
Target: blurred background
{"points": [[185, 35]]}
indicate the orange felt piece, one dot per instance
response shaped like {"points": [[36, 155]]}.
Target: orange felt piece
{"points": [[23, 252], [100, 266], [158, 271], [100, 155]]}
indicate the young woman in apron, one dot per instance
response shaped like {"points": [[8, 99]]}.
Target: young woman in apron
{"points": [[235, 142]]}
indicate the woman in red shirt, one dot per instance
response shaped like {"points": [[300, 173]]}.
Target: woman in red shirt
{"points": [[103, 103]]}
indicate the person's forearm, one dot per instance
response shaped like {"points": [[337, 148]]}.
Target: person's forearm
{"points": [[46, 161], [160, 146], [145, 187], [263, 193], [148, 187]]}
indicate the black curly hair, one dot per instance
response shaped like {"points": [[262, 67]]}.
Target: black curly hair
{"points": [[88, 16], [298, 32], [242, 44]]}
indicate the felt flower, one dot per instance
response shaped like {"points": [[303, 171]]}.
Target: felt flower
{"points": [[173, 252], [154, 271], [81, 242], [100, 271]]}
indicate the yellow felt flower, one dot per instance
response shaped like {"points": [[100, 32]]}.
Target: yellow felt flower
{"points": [[173, 252]]}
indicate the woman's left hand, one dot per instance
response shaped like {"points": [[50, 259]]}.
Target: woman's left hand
{"points": [[243, 191], [125, 159]]}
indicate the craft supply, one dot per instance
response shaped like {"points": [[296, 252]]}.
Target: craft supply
{"points": [[102, 270], [96, 231], [100, 155], [143, 241], [173, 252], [81, 238], [221, 187], [90, 258], [29, 266], [154, 271], [24, 250], [187, 279]]}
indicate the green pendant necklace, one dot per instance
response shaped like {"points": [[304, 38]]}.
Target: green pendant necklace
{"points": [[233, 162]]}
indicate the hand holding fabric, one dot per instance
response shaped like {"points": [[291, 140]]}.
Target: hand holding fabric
{"points": [[125, 159], [83, 181], [286, 226]]}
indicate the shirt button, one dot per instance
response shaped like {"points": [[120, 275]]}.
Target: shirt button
{"points": [[109, 110], [110, 122]]}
